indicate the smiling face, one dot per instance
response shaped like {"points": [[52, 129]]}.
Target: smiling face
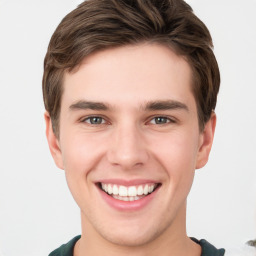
{"points": [[130, 142]]}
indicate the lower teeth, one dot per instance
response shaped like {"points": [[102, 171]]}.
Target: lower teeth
{"points": [[127, 198]]}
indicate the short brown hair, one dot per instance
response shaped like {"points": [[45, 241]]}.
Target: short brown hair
{"points": [[99, 24]]}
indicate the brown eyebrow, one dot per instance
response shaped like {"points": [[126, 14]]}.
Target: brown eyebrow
{"points": [[149, 106], [89, 105], [165, 105]]}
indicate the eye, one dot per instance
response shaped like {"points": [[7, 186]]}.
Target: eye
{"points": [[161, 120], [94, 120]]}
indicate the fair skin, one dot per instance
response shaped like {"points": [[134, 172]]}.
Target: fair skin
{"points": [[129, 119]]}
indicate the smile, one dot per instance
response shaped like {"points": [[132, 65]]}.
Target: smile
{"points": [[128, 193]]}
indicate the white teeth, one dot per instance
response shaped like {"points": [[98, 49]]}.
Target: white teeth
{"points": [[110, 189], [130, 193], [140, 190], [145, 190], [115, 190], [126, 198], [123, 191]]}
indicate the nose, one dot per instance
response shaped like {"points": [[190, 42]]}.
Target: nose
{"points": [[127, 148]]}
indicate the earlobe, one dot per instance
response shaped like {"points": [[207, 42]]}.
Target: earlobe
{"points": [[53, 142], [206, 140]]}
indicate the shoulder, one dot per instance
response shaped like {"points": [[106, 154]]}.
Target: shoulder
{"points": [[208, 249], [66, 249]]}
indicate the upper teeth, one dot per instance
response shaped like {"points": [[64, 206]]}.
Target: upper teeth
{"points": [[128, 191]]}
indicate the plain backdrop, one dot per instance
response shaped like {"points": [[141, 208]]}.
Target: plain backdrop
{"points": [[37, 212]]}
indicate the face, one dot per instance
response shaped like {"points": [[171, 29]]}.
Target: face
{"points": [[129, 142]]}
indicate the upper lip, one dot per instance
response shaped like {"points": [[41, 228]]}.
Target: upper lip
{"points": [[127, 182]]}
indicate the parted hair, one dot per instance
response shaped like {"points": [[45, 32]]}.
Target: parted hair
{"points": [[100, 24]]}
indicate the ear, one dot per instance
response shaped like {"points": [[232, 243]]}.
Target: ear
{"points": [[205, 142], [53, 142]]}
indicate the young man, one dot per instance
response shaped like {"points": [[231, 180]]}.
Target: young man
{"points": [[130, 88]]}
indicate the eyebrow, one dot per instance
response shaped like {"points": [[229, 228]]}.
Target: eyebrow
{"points": [[149, 106], [165, 105], [82, 104]]}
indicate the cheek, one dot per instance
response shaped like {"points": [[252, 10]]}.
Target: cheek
{"points": [[177, 151], [80, 152], [79, 157], [177, 154]]}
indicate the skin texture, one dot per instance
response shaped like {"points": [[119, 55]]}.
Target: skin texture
{"points": [[128, 144]]}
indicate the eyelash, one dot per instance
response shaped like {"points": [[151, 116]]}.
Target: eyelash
{"points": [[90, 118], [166, 119]]}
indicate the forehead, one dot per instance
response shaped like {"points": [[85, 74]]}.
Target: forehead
{"points": [[130, 74]]}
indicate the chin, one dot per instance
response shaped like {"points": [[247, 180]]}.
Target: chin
{"points": [[129, 240], [132, 236]]}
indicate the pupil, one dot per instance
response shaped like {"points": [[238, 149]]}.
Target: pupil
{"points": [[160, 120], [96, 120]]}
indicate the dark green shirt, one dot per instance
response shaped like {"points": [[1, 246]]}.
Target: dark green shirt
{"points": [[207, 248]]}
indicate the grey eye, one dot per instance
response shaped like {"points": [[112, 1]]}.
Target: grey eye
{"points": [[95, 120], [161, 120]]}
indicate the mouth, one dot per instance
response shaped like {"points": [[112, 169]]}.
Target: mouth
{"points": [[128, 193]]}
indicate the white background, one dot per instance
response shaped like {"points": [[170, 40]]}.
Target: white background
{"points": [[37, 213]]}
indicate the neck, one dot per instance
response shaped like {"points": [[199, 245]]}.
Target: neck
{"points": [[173, 240]]}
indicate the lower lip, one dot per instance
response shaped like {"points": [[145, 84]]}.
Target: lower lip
{"points": [[128, 205]]}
